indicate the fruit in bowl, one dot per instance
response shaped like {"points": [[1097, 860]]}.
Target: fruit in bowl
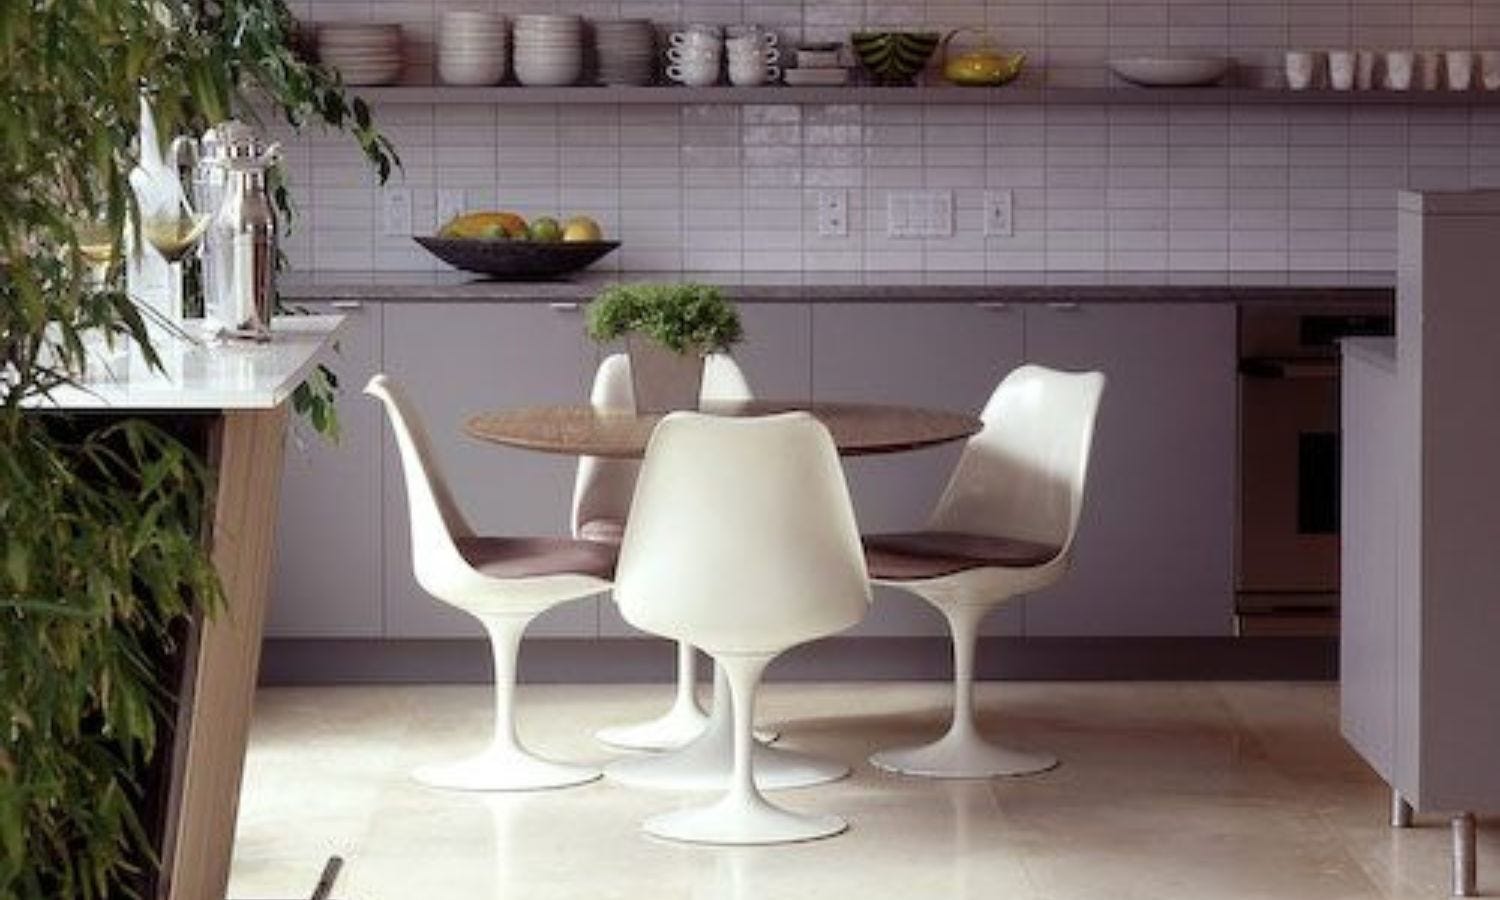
{"points": [[504, 245], [487, 225]]}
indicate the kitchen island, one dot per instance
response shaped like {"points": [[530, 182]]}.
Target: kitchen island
{"points": [[231, 402]]}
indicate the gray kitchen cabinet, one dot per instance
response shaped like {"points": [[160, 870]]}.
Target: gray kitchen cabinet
{"points": [[326, 582], [1154, 552], [948, 356], [776, 356], [456, 360]]}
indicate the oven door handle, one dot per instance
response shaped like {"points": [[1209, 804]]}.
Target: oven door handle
{"points": [[1289, 369]]}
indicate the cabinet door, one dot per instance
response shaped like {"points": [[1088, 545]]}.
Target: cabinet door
{"points": [[1154, 552], [776, 356], [456, 360], [947, 356], [327, 576]]}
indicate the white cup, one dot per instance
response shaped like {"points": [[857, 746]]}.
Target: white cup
{"points": [[1460, 69], [1430, 68], [1301, 69], [753, 74], [753, 32], [1341, 70], [695, 68], [1398, 69], [1364, 70], [1489, 63]]}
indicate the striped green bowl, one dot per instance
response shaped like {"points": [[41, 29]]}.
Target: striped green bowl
{"points": [[894, 57]]}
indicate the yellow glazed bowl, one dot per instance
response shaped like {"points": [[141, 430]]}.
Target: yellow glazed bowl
{"points": [[984, 68]]}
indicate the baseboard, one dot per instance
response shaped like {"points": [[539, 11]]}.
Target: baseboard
{"points": [[292, 662]]}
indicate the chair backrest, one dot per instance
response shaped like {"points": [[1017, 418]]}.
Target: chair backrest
{"points": [[1023, 475], [436, 520], [602, 487], [742, 537]]}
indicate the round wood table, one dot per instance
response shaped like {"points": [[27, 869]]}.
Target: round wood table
{"points": [[858, 429]]}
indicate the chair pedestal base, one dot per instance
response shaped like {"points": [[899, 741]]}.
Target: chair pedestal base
{"points": [[503, 769], [707, 764], [742, 821], [962, 756], [675, 728]]}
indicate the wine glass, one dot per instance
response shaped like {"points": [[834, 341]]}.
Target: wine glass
{"points": [[174, 234]]}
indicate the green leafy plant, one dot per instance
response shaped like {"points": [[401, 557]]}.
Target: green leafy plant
{"points": [[686, 318], [102, 558]]}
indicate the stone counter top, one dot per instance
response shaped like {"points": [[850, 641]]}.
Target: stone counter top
{"points": [[204, 376], [867, 287]]}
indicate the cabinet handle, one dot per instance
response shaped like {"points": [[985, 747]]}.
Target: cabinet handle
{"points": [[1064, 307], [347, 304], [564, 307], [993, 306]]}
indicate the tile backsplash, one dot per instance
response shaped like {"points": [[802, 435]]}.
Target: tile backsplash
{"points": [[1254, 188]]}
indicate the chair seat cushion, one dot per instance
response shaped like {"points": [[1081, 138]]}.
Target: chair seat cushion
{"points": [[919, 555], [530, 557], [610, 531]]}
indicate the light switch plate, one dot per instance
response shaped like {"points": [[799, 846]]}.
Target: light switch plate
{"points": [[450, 203], [914, 214], [833, 214], [999, 214], [395, 213]]}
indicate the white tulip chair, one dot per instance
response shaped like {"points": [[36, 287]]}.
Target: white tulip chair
{"points": [[601, 504], [504, 582], [1003, 527], [742, 541]]}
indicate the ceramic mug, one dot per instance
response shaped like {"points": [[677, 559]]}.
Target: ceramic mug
{"points": [[1341, 70], [1430, 68], [694, 54], [753, 71], [1489, 62], [1364, 70], [1398, 69], [697, 36], [741, 48], [754, 33], [694, 68], [1301, 68], [1460, 69]]}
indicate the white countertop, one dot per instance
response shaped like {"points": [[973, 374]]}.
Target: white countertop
{"points": [[214, 376]]}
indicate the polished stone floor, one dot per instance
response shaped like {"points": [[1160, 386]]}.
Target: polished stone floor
{"points": [[1166, 791]]}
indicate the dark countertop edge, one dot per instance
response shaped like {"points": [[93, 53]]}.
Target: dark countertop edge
{"points": [[366, 289]]}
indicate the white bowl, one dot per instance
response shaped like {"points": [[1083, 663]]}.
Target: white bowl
{"points": [[452, 72], [1150, 71]]}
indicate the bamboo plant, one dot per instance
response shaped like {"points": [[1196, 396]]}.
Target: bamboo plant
{"points": [[101, 552]]}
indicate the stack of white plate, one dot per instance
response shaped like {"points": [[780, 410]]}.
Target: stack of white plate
{"points": [[626, 50], [364, 53], [549, 50], [471, 47]]}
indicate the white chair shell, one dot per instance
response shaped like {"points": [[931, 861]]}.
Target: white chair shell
{"points": [[503, 605], [601, 503], [1022, 478], [742, 541]]}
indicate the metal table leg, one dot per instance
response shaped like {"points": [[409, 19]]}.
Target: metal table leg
{"points": [[1465, 853], [1400, 810]]}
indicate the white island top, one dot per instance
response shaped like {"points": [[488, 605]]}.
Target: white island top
{"points": [[211, 376]]}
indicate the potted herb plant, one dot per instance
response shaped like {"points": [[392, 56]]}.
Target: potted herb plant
{"points": [[668, 330]]}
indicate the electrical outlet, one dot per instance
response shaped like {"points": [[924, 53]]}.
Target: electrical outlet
{"points": [[999, 214], [450, 203], [833, 214], [395, 214], [911, 214], [898, 209]]}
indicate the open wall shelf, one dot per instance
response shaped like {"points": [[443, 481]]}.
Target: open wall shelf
{"points": [[946, 95]]}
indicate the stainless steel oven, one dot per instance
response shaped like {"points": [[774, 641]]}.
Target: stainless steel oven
{"points": [[1287, 555]]}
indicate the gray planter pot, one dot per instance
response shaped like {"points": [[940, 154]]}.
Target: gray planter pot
{"points": [[664, 380]]}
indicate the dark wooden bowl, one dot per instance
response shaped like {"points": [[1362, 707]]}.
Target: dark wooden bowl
{"points": [[517, 260]]}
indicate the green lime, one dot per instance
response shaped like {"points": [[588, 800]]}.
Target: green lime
{"points": [[546, 230]]}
